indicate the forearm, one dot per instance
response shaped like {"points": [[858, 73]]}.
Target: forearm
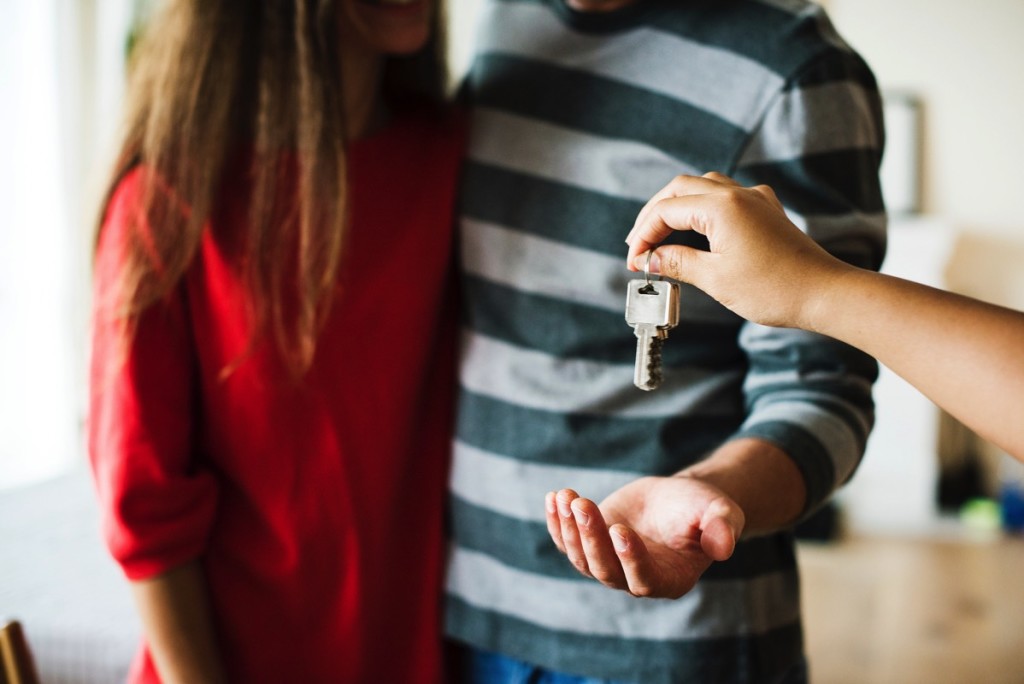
{"points": [[178, 624], [760, 478], [966, 356]]}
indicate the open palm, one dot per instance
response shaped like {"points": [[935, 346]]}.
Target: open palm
{"points": [[654, 537]]}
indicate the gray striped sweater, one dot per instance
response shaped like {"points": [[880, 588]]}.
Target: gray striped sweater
{"points": [[577, 120]]}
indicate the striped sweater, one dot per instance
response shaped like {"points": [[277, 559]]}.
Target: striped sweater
{"points": [[578, 119]]}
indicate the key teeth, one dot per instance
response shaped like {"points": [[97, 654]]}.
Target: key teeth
{"points": [[654, 375]]}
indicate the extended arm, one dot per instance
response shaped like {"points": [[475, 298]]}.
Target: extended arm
{"points": [[177, 621], [965, 355]]}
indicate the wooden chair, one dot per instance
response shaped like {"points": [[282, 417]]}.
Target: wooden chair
{"points": [[16, 665]]}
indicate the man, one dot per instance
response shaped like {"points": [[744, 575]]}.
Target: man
{"points": [[582, 111]]}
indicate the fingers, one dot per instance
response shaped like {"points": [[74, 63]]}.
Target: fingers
{"points": [[579, 531], [679, 262], [691, 203], [638, 565], [553, 522], [689, 212], [597, 545], [680, 186], [618, 557], [572, 546], [685, 185]]}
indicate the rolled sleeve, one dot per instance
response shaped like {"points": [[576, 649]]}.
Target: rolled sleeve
{"points": [[810, 396], [157, 499]]}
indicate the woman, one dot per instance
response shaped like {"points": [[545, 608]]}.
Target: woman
{"points": [[270, 393]]}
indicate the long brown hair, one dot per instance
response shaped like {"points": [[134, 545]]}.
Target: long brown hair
{"points": [[210, 76]]}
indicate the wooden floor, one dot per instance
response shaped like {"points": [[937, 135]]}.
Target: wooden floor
{"points": [[909, 611]]}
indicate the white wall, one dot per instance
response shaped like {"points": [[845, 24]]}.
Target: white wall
{"points": [[61, 66], [966, 62], [462, 16], [37, 391]]}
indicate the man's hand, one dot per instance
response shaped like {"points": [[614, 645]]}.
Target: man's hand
{"points": [[654, 537]]}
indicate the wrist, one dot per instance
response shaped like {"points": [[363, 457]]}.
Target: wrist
{"points": [[824, 298], [760, 478]]}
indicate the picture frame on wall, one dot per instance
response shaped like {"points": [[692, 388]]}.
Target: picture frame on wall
{"points": [[901, 161]]}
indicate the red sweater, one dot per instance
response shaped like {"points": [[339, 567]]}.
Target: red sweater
{"points": [[315, 507]]}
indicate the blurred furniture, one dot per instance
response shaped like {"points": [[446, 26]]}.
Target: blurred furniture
{"points": [[16, 666], [57, 578]]}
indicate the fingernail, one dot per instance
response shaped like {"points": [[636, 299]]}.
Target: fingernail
{"points": [[563, 509], [549, 502], [581, 517], [619, 542]]}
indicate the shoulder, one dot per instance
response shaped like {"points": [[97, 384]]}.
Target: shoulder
{"points": [[123, 214], [134, 191], [783, 36]]}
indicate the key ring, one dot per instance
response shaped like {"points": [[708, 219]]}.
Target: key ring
{"points": [[648, 288], [647, 268]]}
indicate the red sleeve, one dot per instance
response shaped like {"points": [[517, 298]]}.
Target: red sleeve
{"points": [[157, 501]]}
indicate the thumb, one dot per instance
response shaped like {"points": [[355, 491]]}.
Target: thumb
{"points": [[678, 262], [721, 528]]}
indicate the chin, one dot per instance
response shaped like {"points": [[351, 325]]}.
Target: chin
{"points": [[405, 43], [396, 27]]}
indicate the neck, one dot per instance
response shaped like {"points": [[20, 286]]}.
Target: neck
{"points": [[361, 71]]}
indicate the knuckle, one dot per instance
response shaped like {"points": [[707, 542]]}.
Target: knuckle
{"points": [[768, 193], [734, 196], [641, 590], [678, 184]]}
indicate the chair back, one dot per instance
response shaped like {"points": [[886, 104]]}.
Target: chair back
{"points": [[16, 665]]}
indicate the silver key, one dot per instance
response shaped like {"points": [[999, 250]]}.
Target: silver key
{"points": [[652, 308]]}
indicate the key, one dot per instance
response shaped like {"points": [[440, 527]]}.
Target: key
{"points": [[652, 308]]}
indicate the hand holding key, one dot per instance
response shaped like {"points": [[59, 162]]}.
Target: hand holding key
{"points": [[759, 265], [654, 537]]}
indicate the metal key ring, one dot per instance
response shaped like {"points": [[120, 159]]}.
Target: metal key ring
{"points": [[647, 268]]}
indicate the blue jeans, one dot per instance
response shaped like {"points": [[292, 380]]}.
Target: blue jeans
{"points": [[483, 667], [474, 666]]}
